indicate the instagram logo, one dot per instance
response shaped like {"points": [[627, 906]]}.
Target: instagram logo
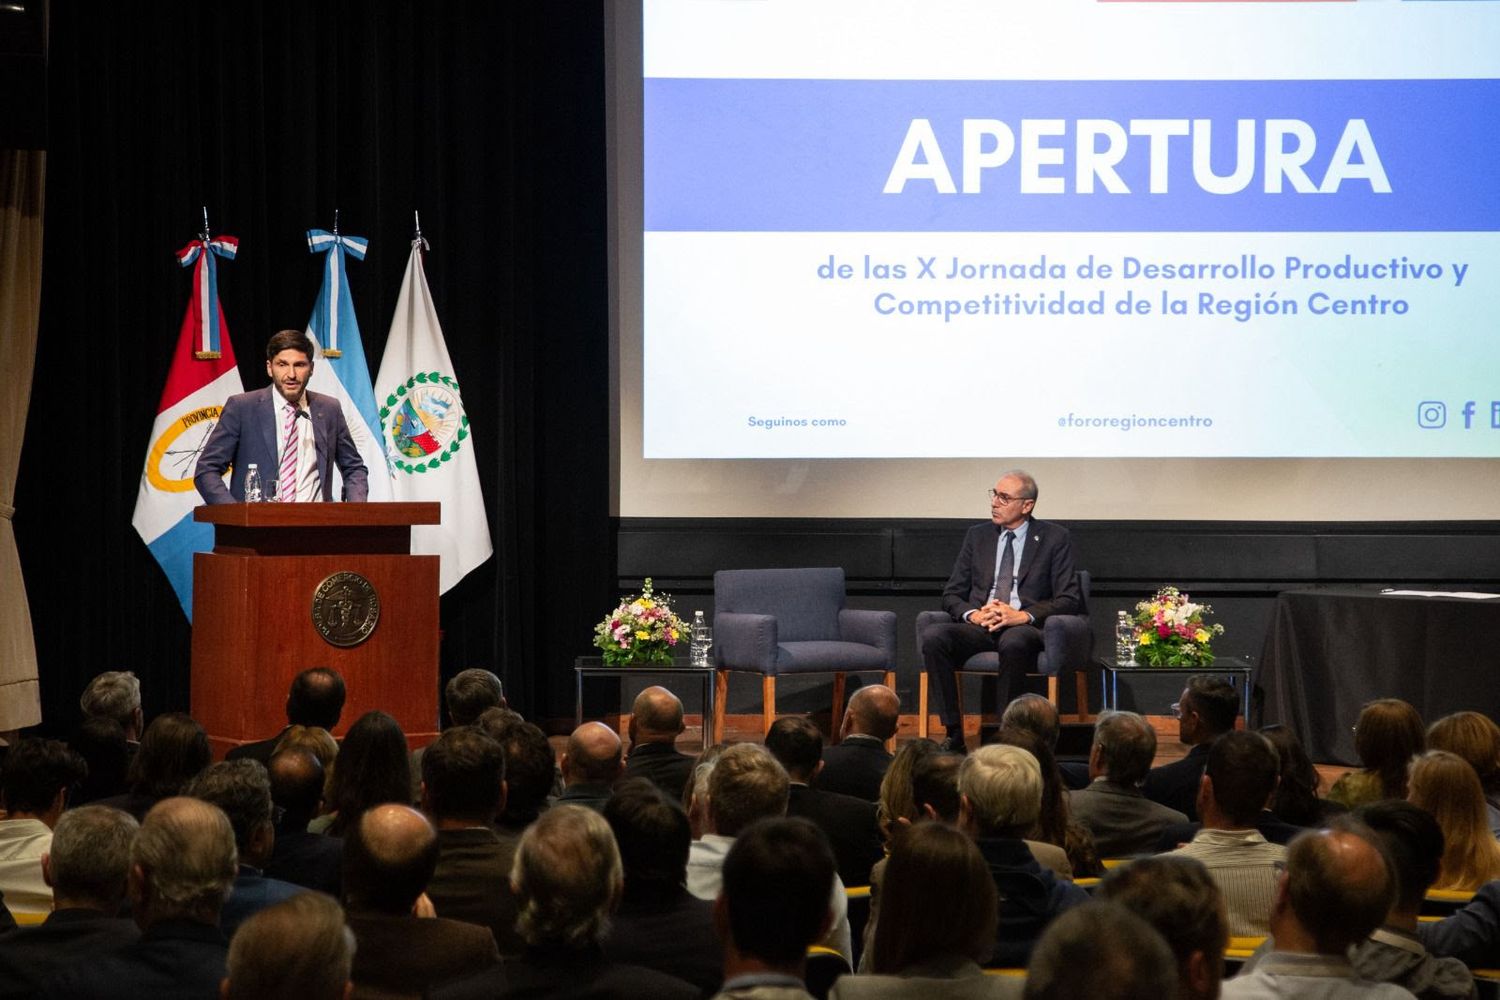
{"points": [[1432, 414]]}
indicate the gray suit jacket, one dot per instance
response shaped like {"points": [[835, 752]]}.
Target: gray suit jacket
{"points": [[1122, 820], [246, 434]]}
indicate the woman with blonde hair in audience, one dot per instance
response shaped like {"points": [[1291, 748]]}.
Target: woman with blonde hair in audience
{"points": [[1474, 737], [1389, 734], [937, 924], [1446, 786]]}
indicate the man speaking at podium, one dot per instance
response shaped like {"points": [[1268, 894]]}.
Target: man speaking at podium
{"points": [[1010, 575], [293, 436]]}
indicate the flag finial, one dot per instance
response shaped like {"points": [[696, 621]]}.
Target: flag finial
{"points": [[204, 235], [417, 240]]}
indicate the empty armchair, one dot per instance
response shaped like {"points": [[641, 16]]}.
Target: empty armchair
{"points": [[793, 621]]}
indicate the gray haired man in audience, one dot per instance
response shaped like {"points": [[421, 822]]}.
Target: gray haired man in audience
{"points": [[1112, 808], [86, 868], [299, 947], [182, 865], [1336, 889], [116, 695]]}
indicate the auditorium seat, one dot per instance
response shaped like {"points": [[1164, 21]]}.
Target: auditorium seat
{"points": [[793, 621], [1067, 646]]}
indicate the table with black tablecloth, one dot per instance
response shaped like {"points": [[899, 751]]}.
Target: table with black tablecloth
{"points": [[1327, 652]]}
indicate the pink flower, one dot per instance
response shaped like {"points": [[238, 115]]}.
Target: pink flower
{"points": [[1164, 630]]}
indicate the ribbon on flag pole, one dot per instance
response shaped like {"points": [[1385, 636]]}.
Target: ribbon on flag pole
{"points": [[340, 369], [200, 379]]}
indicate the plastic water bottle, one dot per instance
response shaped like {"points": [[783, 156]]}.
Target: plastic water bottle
{"points": [[1124, 639], [701, 641], [253, 492]]}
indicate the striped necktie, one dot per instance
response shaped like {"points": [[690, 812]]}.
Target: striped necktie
{"points": [[287, 477]]}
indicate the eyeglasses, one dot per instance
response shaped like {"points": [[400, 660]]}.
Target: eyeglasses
{"points": [[1176, 709], [1005, 498]]}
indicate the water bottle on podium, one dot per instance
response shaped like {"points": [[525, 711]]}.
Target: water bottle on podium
{"points": [[1124, 639], [253, 492]]}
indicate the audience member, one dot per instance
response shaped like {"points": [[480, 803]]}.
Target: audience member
{"points": [[1121, 819], [182, 867], [1178, 897], [659, 924], [1033, 713], [1296, 802], [1472, 935], [1446, 786], [372, 768], [1205, 711], [567, 882], [847, 822], [1388, 735], [941, 912], [86, 868], [102, 745], [173, 750], [857, 763], [1068, 962], [468, 695], [315, 740], [1475, 737], [773, 907], [390, 853], [242, 790], [316, 698], [1237, 782], [655, 724], [463, 787], [497, 720], [590, 766], [1393, 952], [313, 860], [1000, 794], [747, 784], [1336, 889], [1052, 821], [116, 695], [299, 948], [529, 768], [695, 791], [34, 781], [895, 805]]}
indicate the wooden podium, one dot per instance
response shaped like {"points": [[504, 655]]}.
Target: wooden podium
{"points": [[290, 586]]}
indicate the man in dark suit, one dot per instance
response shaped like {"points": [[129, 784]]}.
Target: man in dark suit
{"points": [[86, 868], [242, 789], [1205, 712], [659, 924], [312, 860], [389, 856], [182, 866], [655, 724], [857, 764], [315, 699], [567, 880], [258, 428], [590, 766], [1011, 574], [847, 822], [463, 787], [1112, 808]]}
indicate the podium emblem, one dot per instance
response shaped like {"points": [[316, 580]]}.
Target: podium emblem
{"points": [[345, 609]]}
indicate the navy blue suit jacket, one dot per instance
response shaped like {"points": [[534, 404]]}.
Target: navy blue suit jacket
{"points": [[1047, 579], [247, 434]]}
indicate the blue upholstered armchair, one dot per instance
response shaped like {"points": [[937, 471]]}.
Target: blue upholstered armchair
{"points": [[1067, 647], [793, 621]]}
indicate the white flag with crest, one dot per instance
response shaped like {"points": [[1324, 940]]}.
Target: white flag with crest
{"points": [[426, 431]]}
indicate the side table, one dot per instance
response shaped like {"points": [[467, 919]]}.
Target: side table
{"points": [[671, 676]]}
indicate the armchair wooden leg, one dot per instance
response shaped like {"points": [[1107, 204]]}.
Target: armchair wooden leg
{"points": [[721, 698], [922, 704], [1081, 683], [836, 716], [890, 681], [1052, 689], [767, 703]]}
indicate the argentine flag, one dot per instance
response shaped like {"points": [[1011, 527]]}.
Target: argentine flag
{"points": [[341, 369], [201, 378]]}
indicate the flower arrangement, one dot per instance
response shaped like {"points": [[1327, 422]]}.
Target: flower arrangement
{"points": [[641, 630], [1170, 632]]}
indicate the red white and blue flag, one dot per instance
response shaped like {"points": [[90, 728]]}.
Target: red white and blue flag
{"points": [[202, 376]]}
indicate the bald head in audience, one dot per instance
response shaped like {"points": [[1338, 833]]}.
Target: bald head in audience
{"points": [[296, 786], [593, 756], [1336, 889], [873, 711], [389, 857], [656, 717], [297, 948], [183, 863]]}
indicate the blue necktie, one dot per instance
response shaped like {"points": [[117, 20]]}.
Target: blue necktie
{"points": [[1003, 577]]}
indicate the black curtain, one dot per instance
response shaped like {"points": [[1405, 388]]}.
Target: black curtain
{"points": [[486, 118]]}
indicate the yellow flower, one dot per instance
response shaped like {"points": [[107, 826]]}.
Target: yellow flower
{"points": [[673, 634], [646, 602], [1144, 640], [641, 633], [1201, 635]]}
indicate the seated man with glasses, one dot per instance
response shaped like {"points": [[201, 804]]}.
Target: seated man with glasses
{"points": [[1011, 573]]}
